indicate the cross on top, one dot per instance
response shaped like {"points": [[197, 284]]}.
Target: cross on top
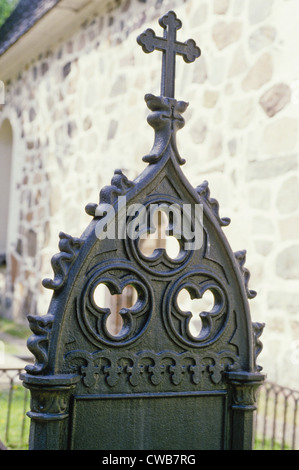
{"points": [[170, 48]]}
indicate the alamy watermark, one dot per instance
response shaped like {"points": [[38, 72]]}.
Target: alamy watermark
{"points": [[138, 220]]}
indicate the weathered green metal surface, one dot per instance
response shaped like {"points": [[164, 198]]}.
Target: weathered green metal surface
{"points": [[154, 385]]}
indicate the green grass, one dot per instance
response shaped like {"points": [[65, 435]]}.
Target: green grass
{"points": [[17, 435], [8, 327], [14, 424], [14, 336], [6, 9], [267, 445], [280, 410]]}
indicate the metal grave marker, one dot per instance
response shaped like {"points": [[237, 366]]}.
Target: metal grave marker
{"points": [[165, 378]]}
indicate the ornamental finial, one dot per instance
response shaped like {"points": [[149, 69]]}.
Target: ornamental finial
{"points": [[170, 48]]}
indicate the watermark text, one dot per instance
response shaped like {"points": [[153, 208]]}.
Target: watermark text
{"points": [[185, 222]]}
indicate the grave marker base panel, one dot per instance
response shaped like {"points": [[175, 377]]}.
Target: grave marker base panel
{"points": [[150, 422]]}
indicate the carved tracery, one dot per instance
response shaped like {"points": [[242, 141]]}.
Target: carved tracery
{"points": [[155, 347]]}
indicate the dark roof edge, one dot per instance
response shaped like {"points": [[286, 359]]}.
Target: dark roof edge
{"points": [[23, 18]]}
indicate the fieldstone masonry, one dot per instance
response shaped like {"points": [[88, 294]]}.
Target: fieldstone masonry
{"points": [[76, 110]]}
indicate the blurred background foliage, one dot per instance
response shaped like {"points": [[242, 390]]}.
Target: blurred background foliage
{"points": [[6, 8]]}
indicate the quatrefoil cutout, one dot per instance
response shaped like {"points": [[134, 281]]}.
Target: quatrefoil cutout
{"points": [[161, 233], [118, 304], [206, 306], [118, 318], [159, 238], [197, 307]]}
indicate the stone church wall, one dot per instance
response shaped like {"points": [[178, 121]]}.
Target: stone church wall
{"points": [[77, 113]]}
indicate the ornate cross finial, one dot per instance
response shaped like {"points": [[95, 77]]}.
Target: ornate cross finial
{"points": [[170, 48]]}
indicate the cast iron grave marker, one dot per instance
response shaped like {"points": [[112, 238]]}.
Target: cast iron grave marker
{"points": [[156, 383]]}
